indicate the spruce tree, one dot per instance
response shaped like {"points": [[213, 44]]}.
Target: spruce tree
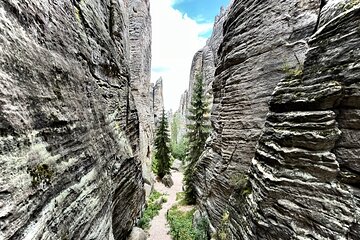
{"points": [[162, 142], [197, 132]]}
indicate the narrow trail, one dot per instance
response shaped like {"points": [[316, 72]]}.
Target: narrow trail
{"points": [[159, 228]]}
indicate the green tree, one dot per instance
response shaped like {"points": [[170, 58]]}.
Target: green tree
{"points": [[178, 142], [162, 154], [197, 132]]}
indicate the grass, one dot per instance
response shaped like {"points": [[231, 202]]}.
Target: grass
{"points": [[292, 72], [180, 219], [152, 209], [181, 224], [180, 197]]}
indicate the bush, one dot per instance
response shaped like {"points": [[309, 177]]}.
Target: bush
{"points": [[178, 150], [181, 224], [152, 209], [201, 229]]}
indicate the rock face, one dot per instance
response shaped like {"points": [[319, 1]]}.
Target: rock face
{"points": [[158, 100], [140, 67], [283, 160], [69, 128], [307, 161]]}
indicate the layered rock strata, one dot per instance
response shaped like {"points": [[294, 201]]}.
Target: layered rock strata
{"points": [[140, 67], [305, 174], [69, 127], [283, 160]]}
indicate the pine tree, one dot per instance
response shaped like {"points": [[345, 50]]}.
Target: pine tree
{"points": [[197, 132], [162, 142]]}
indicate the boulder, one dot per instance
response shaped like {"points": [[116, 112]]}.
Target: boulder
{"points": [[177, 165], [137, 234], [167, 181]]}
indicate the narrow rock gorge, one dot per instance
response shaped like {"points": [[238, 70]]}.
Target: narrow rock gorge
{"points": [[78, 116], [283, 158]]}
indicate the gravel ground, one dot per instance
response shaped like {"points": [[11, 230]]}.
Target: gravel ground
{"points": [[159, 228]]}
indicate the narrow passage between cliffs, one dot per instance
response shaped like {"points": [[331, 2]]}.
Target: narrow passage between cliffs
{"points": [[159, 229]]}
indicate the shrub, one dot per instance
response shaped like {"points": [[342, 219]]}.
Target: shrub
{"points": [[181, 224], [178, 150], [152, 209]]}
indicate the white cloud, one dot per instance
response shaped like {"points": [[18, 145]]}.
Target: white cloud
{"points": [[175, 40]]}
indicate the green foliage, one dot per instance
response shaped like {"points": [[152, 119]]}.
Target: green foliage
{"points": [[180, 197], [178, 146], [152, 209], [241, 183], [222, 232], [198, 131], [292, 72], [154, 164], [181, 224], [202, 229], [178, 150], [162, 154], [41, 173]]}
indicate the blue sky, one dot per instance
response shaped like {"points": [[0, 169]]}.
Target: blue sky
{"points": [[179, 29], [202, 11]]}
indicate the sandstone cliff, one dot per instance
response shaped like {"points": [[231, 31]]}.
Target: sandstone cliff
{"points": [[157, 100], [140, 67], [69, 127], [283, 160]]}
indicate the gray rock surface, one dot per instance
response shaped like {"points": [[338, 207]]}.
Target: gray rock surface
{"points": [[158, 100], [69, 128], [283, 160], [137, 234], [167, 181], [140, 67], [307, 162], [177, 165]]}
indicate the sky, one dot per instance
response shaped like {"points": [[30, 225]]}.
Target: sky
{"points": [[179, 29]]}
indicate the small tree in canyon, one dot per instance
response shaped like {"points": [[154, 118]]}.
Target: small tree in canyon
{"points": [[162, 142], [197, 132]]}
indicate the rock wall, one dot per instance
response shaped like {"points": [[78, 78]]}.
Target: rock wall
{"points": [[140, 67], [305, 174], [158, 100], [69, 127], [283, 162]]}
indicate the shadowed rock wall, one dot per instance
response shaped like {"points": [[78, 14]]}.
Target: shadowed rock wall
{"points": [[282, 162], [69, 128]]}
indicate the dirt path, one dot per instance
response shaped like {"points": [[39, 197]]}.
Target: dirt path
{"points": [[159, 228]]}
